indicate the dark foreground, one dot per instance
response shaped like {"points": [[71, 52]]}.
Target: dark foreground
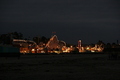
{"points": [[57, 67]]}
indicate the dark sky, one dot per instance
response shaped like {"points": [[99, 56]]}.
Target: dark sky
{"points": [[88, 20]]}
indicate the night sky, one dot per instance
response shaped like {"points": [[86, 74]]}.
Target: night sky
{"points": [[88, 20]]}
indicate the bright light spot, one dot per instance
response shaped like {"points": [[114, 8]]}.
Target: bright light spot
{"points": [[33, 49], [88, 48], [92, 51]]}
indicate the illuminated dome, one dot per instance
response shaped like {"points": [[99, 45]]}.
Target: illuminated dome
{"points": [[54, 43]]}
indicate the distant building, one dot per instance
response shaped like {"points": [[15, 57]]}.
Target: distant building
{"points": [[25, 46], [23, 43], [54, 43]]}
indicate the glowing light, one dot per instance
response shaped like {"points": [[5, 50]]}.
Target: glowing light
{"points": [[33, 49], [87, 48], [42, 51], [92, 51]]}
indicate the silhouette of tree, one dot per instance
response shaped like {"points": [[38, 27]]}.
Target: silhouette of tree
{"points": [[37, 39], [17, 35], [5, 39], [108, 45], [100, 44], [113, 45], [44, 39]]}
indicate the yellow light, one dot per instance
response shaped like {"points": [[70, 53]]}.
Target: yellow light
{"points": [[88, 48], [33, 49], [92, 51]]}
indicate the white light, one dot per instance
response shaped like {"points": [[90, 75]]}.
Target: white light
{"points": [[92, 51], [33, 49]]}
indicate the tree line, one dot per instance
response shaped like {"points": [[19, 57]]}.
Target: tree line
{"points": [[8, 38]]}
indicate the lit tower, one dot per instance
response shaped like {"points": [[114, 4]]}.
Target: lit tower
{"points": [[79, 45]]}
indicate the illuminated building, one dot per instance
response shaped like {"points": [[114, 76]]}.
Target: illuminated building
{"points": [[26, 46], [55, 44]]}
